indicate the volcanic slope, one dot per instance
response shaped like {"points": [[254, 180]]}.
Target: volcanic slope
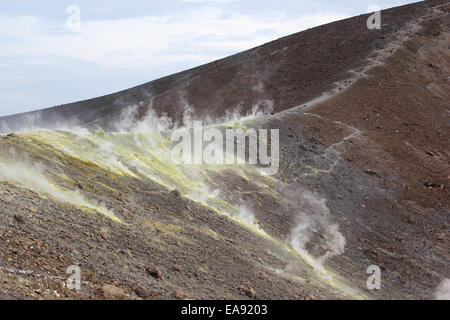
{"points": [[363, 179]]}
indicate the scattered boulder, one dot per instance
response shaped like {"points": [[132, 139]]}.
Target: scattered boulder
{"points": [[19, 218], [113, 293], [371, 172], [249, 292], [120, 197], [141, 291], [411, 220], [175, 193], [155, 272], [179, 294], [154, 295], [178, 268]]}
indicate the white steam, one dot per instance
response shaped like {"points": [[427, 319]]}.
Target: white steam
{"points": [[32, 177], [313, 217], [146, 152], [261, 109], [246, 215], [36, 121], [202, 194], [129, 120], [443, 290]]}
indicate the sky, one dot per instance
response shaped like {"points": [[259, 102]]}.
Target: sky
{"points": [[56, 52]]}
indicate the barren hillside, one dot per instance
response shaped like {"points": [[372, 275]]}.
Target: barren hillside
{"points": [[364, 156]]}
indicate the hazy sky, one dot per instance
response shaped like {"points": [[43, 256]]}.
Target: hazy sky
{"points": [[44, 61]]}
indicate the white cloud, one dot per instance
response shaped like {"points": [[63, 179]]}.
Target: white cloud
{"points": [[58, 66], [145, 42], [210, 1]]}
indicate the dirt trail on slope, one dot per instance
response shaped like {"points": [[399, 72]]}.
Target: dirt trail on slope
{"points": [[383, 161]]}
